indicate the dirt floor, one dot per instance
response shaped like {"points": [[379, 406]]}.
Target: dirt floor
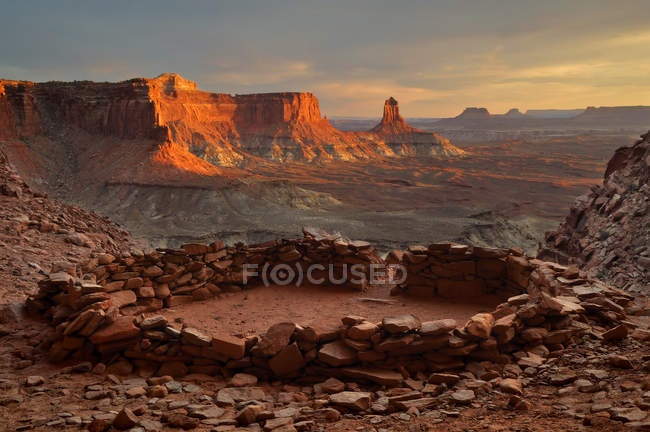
{"points": [[254, 311]]}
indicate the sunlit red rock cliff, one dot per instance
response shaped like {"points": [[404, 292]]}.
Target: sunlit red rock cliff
{"points": [[221, 129]]}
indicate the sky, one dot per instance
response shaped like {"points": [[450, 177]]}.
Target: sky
{"points": [[434, 57]]}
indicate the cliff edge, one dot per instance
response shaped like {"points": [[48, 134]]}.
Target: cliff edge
{"points": [[607, 231]]}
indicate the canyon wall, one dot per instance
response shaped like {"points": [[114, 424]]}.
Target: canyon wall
{"points": [[222, 129]]}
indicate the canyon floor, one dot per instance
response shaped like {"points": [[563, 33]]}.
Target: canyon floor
{"points": [[502, 193]]}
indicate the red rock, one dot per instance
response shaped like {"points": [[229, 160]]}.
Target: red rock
{"points": [[276, 338], [122, 298], [178, 420], [401, 323], [480, 325], [357, 401], [337, 354], [99, 425], [122, 328], [620, 361], [153, 272], [616, 333], [243, 380], [362, 331], [534, 334], [133, 283], [162, 291], [105, 258], [436, 328], [376, 375], [249, 414], [114, 286], [192, 336], [511, 385], [146, 292], [443, 378], [157, 391], [125, 419], [288, 360], [331, 385], [229, 346]]}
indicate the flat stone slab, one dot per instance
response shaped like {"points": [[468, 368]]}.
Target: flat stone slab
{"points": [[379, 376]]}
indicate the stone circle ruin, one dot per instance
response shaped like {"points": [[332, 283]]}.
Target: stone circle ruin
{"points": [[97, 312]]}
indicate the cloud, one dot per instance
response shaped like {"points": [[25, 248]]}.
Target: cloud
{"points": [[258, 72], [631, 38]]}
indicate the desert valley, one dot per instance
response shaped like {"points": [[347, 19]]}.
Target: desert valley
{"points": [[253, 168], [221, 255]]}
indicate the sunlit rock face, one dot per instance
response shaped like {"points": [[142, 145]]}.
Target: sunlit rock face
{"points": [[404, 140], [222, 129]]}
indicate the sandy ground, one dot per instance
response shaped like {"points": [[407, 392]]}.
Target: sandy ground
{"points": [[254, 311]]}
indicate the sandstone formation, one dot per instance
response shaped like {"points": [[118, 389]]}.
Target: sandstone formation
{"points": [[606, 232], [222, 129], [405, 140]]}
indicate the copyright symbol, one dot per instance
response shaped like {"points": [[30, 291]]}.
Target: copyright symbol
{"points": [[282, 274]]}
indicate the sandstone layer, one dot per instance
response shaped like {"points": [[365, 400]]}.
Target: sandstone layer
{"points": [[222, 129]]}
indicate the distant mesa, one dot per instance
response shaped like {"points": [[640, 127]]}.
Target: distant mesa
{"points": [[473, 113], [514, 113], [622, 115]]}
